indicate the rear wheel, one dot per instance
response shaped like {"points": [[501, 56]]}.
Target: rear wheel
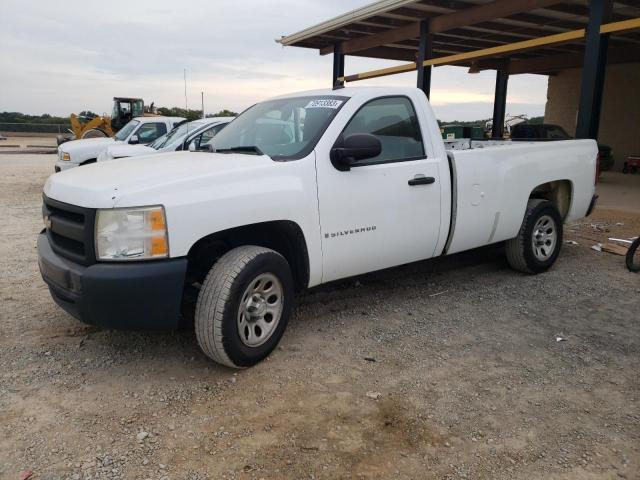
{"points": [[244, 306], [633, 256], [539, 240]]}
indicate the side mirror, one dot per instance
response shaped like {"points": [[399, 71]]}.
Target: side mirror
{"points": [[354, 147], [192, 147], [134, 140]]}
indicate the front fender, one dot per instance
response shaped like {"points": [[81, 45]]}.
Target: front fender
{"points": [[272, 192]]}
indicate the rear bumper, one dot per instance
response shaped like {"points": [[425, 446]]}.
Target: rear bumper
{"points": [[131, 296]]}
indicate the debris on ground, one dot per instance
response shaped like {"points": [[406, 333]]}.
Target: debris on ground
{"points": [[25, 475], [623, 240], [560, 338], [571, 242], [374, 395], [613, 248], [597, 247], [370, 359], [439, 293]]}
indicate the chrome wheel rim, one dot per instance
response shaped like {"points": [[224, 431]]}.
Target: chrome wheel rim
{"points": [[260, 310], [544, 239]]}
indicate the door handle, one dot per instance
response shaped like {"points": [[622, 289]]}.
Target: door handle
{"points": [[421, 180]]}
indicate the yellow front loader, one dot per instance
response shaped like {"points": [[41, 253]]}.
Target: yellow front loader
{"points": [[124, 109], [96, 127]]}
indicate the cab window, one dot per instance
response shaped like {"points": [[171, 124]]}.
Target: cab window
{"points": [[394, 122], [201, 141], [150, 131]]}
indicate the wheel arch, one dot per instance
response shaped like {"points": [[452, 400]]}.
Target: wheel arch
{"points": [[558, 192], [284, 236]]}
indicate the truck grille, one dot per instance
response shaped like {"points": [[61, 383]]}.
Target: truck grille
{"points": [[70, 230]]}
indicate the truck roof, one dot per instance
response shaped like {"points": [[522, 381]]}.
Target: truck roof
{"points": [[352, 92], [159, 117]]}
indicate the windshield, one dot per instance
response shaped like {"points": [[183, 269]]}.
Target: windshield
{"points": [[177, 135], [158, 142], [125, 131], [284, 129]]}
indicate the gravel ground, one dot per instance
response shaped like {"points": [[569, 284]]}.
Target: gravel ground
{"points": [[443, 369]]}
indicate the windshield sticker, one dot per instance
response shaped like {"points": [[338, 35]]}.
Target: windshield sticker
{"points": [[324, 103]]}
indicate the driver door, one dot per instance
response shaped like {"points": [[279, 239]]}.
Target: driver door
{"points": [[374, 216]]}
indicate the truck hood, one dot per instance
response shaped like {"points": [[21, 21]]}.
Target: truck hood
{"points": [[121, 149], [149, 178], [83, 144]]}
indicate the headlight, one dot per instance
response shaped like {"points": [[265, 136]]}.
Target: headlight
{"points": [[66, 157], [131, 234]]}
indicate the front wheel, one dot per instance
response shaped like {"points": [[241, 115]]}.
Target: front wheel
{"points": [[539, 240], [243, 306]]}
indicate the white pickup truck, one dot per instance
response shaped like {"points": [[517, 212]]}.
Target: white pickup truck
{"points": [[300, 190], [192, 136], [139, 131]]}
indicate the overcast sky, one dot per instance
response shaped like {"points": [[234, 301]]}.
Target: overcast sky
{"points": [[66, 56]]}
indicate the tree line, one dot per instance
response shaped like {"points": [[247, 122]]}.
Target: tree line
{"points": [[17, 117]]}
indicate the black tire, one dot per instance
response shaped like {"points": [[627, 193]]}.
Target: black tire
{"points": [[521, 251], [219, 303], [633, 259], [94, 133], [625, 168]]}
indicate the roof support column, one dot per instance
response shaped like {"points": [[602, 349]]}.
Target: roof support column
{"points": [[338, 66], [425, 51], [593, 70], [499, 104]]}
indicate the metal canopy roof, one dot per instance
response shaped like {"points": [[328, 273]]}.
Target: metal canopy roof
{"points": [[389, 29]]}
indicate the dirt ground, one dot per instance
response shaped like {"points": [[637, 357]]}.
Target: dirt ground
{"points": [[27, 144], [444, 369]]}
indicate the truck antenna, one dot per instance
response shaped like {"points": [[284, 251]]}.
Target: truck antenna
{"points": [[186, 104]]}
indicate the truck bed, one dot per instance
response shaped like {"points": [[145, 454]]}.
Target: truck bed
{"points": [[470, 144], [491, 184]]}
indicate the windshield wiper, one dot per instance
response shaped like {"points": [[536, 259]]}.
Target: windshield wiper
{"points": [[248, 149]]}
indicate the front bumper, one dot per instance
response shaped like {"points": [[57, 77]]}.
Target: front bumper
{"points": [[62, 165], [130, 296]]}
